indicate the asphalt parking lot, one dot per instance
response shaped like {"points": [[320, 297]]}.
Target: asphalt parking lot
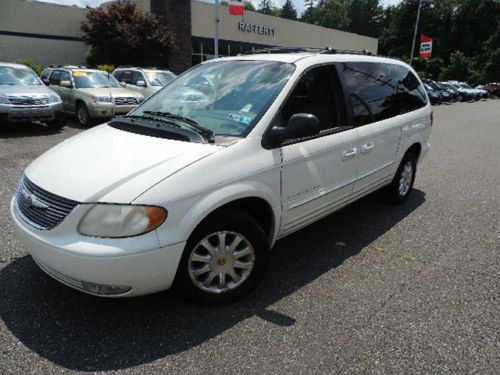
{"points": [[371, 289]]}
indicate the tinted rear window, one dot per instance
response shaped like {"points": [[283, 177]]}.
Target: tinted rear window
{"points": [[380, 91]]}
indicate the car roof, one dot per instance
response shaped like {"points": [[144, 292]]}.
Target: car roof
{"points": [[13, 65], [311, 57]]}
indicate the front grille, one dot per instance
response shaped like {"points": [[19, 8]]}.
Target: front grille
{"points": [[126, 101], [39, 208], [28, 100]]}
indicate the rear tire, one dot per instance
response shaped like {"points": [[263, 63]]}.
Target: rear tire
{"points": [[224, 259], [402, 183]]}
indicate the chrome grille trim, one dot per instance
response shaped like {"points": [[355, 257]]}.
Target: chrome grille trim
{"points": [[29, 100], [126, 101], [39, 208]]}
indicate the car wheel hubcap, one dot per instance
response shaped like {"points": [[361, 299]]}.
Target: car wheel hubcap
{"points": [[406, 178], [82, 116], [221, 261]]}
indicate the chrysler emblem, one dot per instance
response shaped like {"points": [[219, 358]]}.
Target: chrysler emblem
{"points": [[33, 202]]}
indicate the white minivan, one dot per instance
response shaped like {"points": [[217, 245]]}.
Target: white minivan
{"points": [[195, 185]]}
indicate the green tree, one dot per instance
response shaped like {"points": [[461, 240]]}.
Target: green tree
{"points": [[458, 69], [265, 7], [249, 6], [332, 14], [122, 34], [308, 11], [365, 17], [288, 11]]}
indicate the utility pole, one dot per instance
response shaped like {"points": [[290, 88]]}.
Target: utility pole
{"points": [[416, 24], [217, 21]]}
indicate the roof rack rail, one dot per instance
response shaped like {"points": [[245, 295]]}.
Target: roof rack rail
{"points": [[332, 51], [321, 50]]}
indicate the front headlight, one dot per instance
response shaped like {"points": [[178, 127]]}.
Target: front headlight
{"points": [[4, 99], [101, 99], [54, 99], [116, 220]]}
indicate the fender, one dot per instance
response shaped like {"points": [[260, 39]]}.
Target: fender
{"points": [[197, 208]]}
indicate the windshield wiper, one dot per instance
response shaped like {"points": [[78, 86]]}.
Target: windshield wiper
{"points": [[154, 118], [205, 132]]}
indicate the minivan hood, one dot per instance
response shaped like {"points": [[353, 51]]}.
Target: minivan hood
{"points": [[105, 164], [25, 90], [114, 91]]}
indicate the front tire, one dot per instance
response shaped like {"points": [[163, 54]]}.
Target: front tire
{"points": [[83, 116], [224, 258], [402, 183]]}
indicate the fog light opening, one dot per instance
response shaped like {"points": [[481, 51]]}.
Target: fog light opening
{"points": [[105, 290]]}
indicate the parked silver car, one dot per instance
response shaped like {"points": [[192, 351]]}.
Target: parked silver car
{"points": [[24, 98], [144, 81]]}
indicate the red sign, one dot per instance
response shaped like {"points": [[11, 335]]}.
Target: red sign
{"points": [[425, 46], [236, 7]]}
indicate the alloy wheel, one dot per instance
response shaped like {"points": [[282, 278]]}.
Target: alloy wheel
{"points": [[405, 179], [221, 262]]}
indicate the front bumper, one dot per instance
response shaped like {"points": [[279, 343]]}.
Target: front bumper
{"points": [[108, 110], [16, 113], [75, 260]]}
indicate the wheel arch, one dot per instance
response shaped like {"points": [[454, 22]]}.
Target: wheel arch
{"points": [[257, 202]]}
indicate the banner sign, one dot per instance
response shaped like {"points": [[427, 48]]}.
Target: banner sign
{"points": [[425, 46], [236, 7]]}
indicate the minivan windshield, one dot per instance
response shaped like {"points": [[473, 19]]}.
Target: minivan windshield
{"points": [[226, 97], [160, 78], [14, 76], [91, 79]]}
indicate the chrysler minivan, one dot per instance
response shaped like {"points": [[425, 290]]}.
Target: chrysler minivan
{"points": [[194, 187]]}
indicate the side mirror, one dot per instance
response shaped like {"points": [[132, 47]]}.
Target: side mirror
{"points": [[122, 83], [66, 84], [141, 83], [300, 125]]}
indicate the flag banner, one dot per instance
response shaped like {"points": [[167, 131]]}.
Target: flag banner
{"points": [[425, 46], [236, 7]]}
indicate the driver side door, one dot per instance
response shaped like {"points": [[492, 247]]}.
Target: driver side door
{"points": [[318, 173]]}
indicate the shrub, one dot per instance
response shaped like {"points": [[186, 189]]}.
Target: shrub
{"points": [[106, 67], [36, 67]]}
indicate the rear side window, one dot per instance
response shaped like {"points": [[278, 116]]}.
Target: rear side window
{"points": [[381, 91]]}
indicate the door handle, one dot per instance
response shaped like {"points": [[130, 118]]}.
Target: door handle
{"points": [[367, 147], [349, 154]]}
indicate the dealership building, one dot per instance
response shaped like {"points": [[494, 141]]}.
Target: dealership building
{"points": [[50, 34]]}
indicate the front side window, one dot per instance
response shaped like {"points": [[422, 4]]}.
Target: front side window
{"points": [[381, 91], [90, 79], [226, 97], [65, 76], [315, 93], [14, 76]]}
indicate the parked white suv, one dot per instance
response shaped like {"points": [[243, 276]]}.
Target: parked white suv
{"points": [[197, 183]]}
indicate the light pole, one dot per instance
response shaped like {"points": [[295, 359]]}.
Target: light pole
{"points": [[416, 24], [217, 21]]}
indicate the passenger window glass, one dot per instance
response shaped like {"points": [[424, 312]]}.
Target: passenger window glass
{"points": [[315, 94], [55, 78], [381, 91], [126, 76], [137, 76], [65, 76]]}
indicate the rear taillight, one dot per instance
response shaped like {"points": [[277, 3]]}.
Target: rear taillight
{"points": [[432, 118]]}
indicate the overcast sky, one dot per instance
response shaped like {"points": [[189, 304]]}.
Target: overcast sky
{"points": [[299, 4]]}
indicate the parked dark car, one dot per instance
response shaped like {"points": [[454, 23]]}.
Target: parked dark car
{"points": [[463, 95], [433, 95], [446, 95]]}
